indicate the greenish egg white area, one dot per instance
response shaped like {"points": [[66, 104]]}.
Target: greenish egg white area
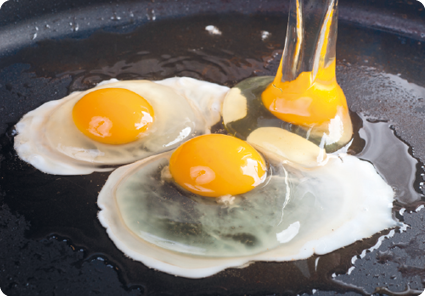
{"points": [[298, 212], [159, 213]]}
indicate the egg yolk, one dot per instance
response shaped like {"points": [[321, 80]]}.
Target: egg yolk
{"points": [[306, 101], [312, 98], [113, 115], [215, 165]]}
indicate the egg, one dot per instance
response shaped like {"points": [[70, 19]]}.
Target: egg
{"points": [[217, 165], [192, 204], [304, 97], [293, 213], [313, 101], [115, 123]]}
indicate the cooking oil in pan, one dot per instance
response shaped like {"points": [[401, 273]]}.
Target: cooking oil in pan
{"points": [[227, 61]]}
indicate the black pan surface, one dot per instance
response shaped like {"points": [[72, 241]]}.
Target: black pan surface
{"points": [[51, 242]]}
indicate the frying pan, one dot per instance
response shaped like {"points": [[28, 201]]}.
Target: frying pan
{"points": [[51, 242]]}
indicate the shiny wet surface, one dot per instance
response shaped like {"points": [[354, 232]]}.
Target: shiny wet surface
{"points": [[52, 242]]}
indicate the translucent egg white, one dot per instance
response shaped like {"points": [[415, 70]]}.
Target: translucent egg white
{"points": [[48, 139]]}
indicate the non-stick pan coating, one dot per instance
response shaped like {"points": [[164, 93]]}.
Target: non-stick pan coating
{"points": [[51, 242]]}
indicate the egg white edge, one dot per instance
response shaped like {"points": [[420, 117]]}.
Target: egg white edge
{"points": [[50, 163], [136, 248], [147, 260]]}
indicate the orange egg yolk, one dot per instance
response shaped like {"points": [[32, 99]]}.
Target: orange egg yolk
{"points": [[215, 165], [306, 101], [113, 115], [311, 98]]}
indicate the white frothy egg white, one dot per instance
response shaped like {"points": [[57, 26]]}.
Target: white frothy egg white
{"points": [[48, 139], [298, 212]]}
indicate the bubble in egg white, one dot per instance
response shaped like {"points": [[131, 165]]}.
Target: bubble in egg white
{"points": [[48, 139], [300, 211]]}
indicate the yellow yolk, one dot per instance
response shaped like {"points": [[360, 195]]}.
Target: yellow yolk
{"points": [[215, 165], [311, 98], [113, 115], [305, 101]]}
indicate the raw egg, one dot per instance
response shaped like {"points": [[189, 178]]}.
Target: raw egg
{"points": [[217, 165], [116, 123], [304, 96], [193, 204], [113, 115], [294, 213]]}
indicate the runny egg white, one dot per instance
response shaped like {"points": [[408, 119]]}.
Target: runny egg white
{"points": [[49, 139], [291, 200], [293, 213]]}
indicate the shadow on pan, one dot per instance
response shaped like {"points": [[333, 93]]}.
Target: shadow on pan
{"points": [[51, 242]]}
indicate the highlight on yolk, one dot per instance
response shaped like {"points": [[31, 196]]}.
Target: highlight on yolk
{"points": [[312, 97], [215, 165], [113, 115], [306, 101]]}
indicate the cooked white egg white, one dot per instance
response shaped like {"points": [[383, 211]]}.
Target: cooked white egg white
{"points": [[48, 138], [304, 202], [295, 213]]}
